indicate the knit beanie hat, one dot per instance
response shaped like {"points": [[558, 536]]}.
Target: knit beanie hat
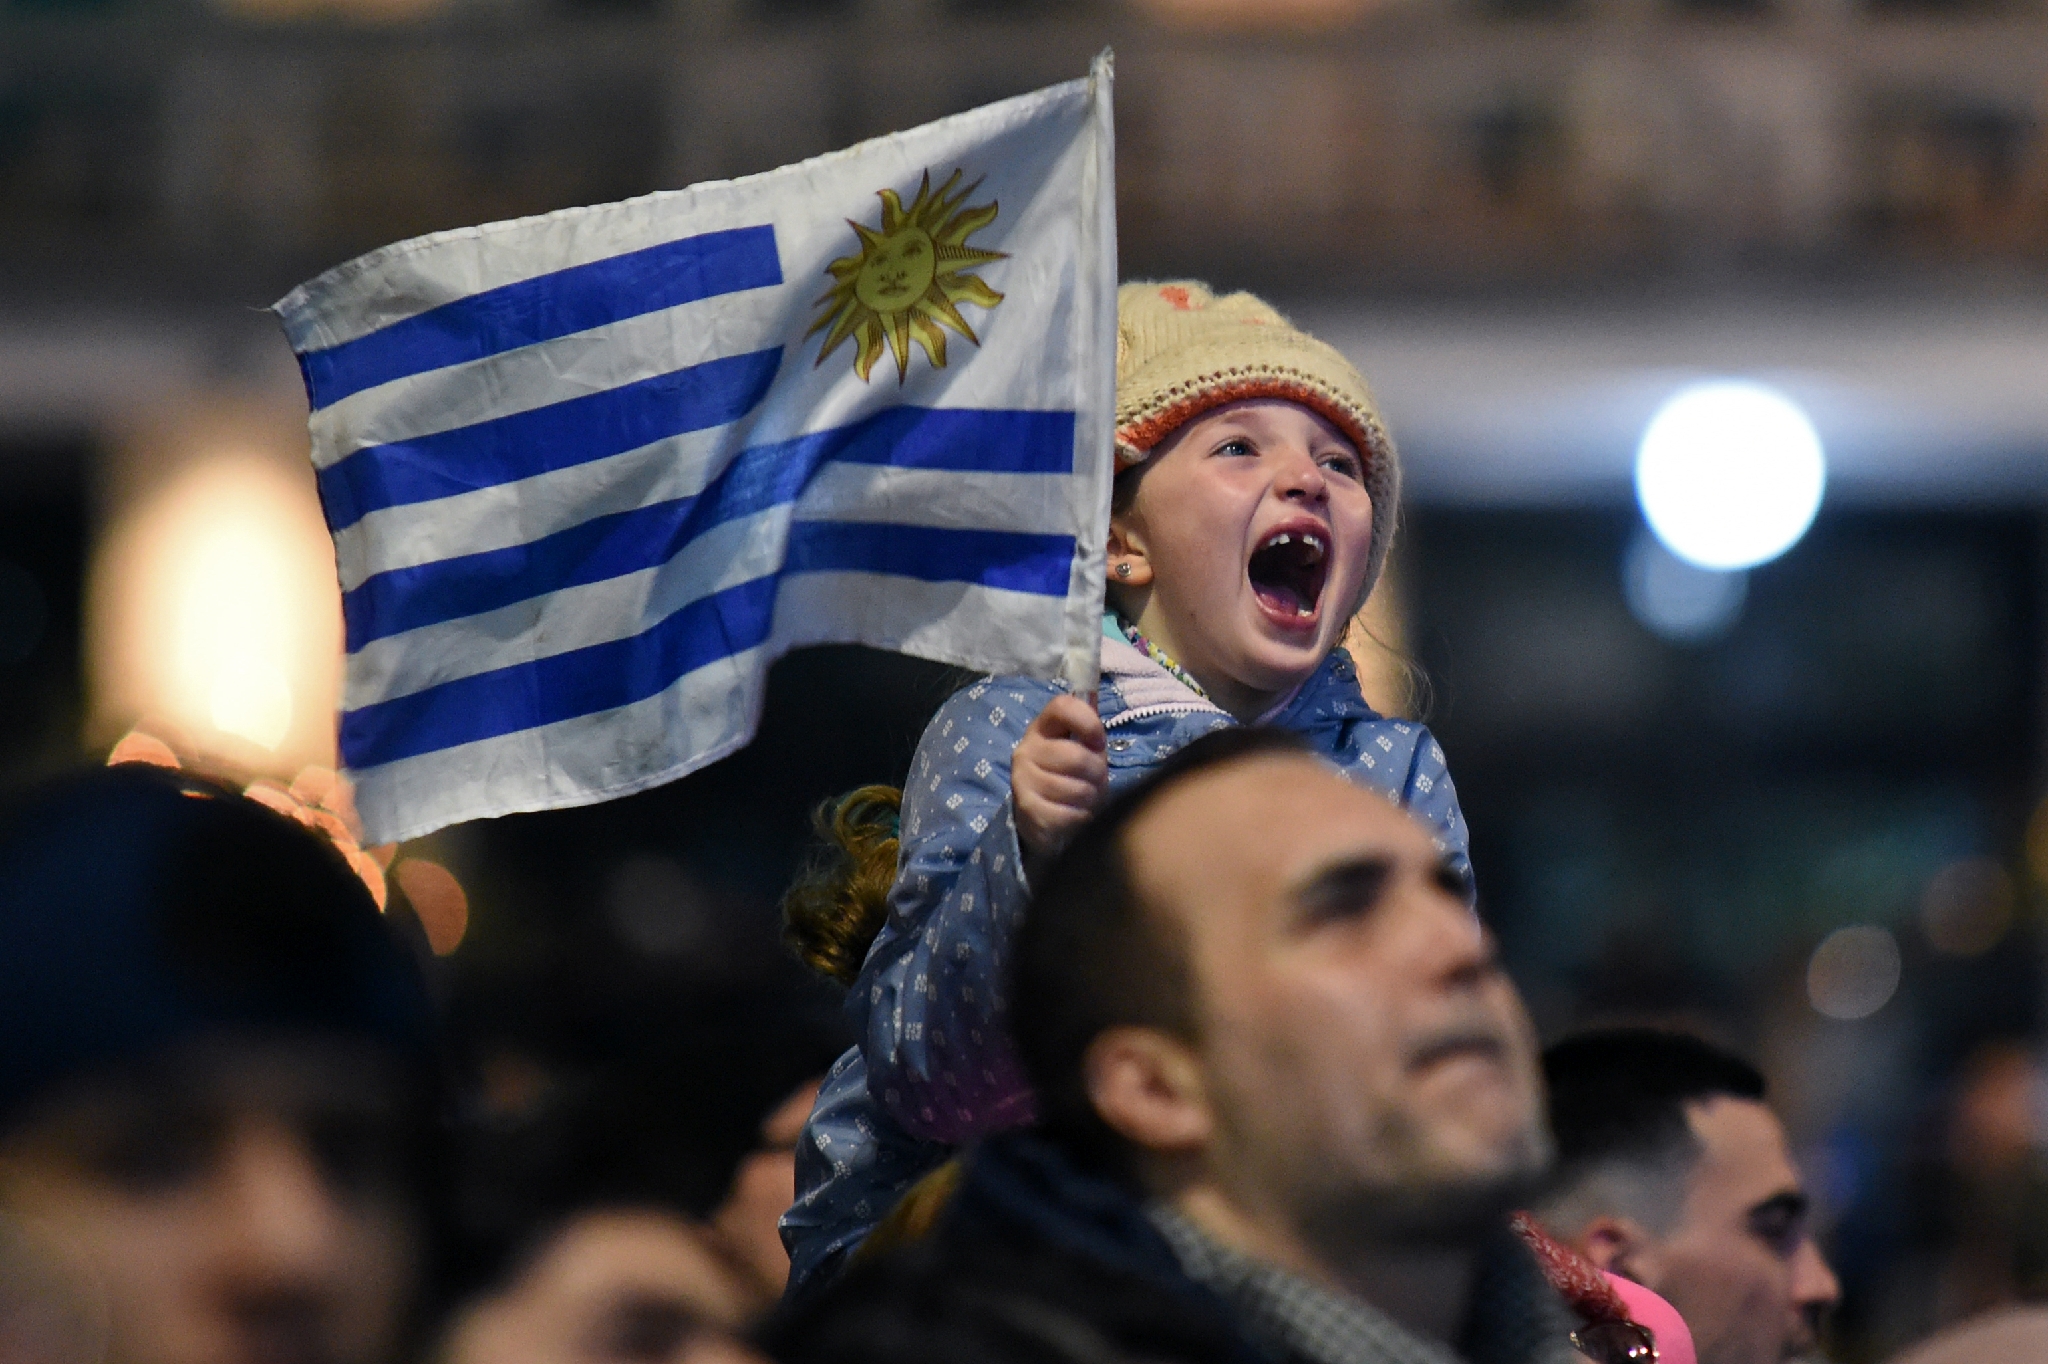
{"points": [[1181, 350], [141, 909]]}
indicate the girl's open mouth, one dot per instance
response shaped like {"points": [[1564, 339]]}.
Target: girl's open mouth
{"points": [[1287, 572]]}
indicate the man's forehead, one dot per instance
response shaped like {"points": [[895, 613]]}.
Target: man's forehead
{"points": [[1268, 821], [1742, 1147]]}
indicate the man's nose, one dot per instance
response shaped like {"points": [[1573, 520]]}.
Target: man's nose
{"points": [[1463, 953], [1814, 1285], [281, 1223]]}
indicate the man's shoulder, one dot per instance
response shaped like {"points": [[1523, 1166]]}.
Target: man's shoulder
{"points": [[1032, 1259], [944, 1300]]}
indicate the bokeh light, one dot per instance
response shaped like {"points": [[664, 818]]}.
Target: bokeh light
{"points": [[1854, 972], [1682, 602], [657, 908], [437, 899], [1967, 907], [215, 615], [1730, 474], [2037, 844]]}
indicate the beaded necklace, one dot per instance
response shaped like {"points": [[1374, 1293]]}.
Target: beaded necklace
{"points": [[1161, 657]]}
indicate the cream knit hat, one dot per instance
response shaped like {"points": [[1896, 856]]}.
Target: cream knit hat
{"points": [[1181, 350]]}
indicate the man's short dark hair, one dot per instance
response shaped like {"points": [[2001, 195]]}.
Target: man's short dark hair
{"points": [[1091, 955], [1619, 1095]]}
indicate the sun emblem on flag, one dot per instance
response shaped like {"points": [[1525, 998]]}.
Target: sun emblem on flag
{"points": [[908, 278]]}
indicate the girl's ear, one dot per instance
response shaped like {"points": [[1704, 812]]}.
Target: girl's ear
{"points": [[1129, 565], [1148, 1087]]}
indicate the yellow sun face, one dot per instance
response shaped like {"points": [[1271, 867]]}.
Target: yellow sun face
{"points": [[896, 272], [908, 279]]}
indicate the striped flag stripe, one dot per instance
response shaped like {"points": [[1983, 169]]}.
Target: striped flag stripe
{"points": [[620, 672], [508, 514], [523, 444], [723, 557], [544, 307], [1012, 560], [707, 714], [573, 618], [550, 372], [967, 440]]}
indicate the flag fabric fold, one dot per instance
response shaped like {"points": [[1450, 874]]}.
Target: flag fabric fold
{"points": [[589, 474]]}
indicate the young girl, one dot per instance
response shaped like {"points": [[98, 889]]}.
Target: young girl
{"points": [[1255, 496]]}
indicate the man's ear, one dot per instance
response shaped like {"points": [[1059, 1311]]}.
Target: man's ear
{"points": [[1148, 1088], [1619, 1245], [1127, 550]]}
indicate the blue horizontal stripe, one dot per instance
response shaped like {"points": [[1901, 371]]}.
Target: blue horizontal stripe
{"points": [[561, 303], [561, 687], [1015, 560], [764, 476], [965, 439], [576, 431], [620, 672]]}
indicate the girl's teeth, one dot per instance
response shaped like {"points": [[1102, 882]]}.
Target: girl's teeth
{"points": [[1314, 542]]}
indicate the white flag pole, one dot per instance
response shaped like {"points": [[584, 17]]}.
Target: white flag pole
{"points": [[1095, 424]]}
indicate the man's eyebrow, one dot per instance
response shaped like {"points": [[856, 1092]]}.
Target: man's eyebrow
{"points": [[1352, 880], [1790, 1203]]}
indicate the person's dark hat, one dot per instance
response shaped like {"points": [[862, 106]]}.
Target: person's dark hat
{"points": [[141, 909]]}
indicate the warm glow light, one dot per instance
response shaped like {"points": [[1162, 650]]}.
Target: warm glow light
{"points": [[2037, 843], [438, 900], [235, 628], [1730, 474], [1377, 641], [214, 610]]}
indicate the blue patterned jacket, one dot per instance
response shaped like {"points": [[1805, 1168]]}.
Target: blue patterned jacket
{"points": [[935, 1067]]}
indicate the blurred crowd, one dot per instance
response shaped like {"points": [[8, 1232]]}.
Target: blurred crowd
{"points": [[230, 1132], [1179, 1037]]}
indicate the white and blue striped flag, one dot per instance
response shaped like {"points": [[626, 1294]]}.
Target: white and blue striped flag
{"points": [[589, 474]]}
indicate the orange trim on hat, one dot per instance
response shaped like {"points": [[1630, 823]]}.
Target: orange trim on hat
{"points": [[1215, 391]]}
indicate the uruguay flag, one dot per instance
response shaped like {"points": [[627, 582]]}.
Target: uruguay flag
{"points": [[589, 474]]}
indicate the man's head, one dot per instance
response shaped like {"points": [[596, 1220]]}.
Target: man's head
{"points": [[214, 1082], [1674, 1173], [1251, 977]]}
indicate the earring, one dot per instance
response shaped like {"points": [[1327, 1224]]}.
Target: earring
{"points": [[1123, 570]]}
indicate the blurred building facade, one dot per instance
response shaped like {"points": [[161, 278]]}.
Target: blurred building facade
{"points": [[1360, 143]]}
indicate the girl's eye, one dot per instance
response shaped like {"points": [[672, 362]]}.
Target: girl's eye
{"points": [[1236, 445], [1343, 464]]}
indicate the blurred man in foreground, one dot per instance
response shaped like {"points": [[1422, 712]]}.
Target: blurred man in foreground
{"points": [[215, 1085], [624, 1221], [1286, 1100], [1673, 1172]]}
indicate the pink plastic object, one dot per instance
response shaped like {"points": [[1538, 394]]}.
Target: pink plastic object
{"points": [[1674, 1340]]}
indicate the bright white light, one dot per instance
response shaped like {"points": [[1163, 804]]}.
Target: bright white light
{"points": [[1730, 474], [235, 630], [1678, 600]]}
